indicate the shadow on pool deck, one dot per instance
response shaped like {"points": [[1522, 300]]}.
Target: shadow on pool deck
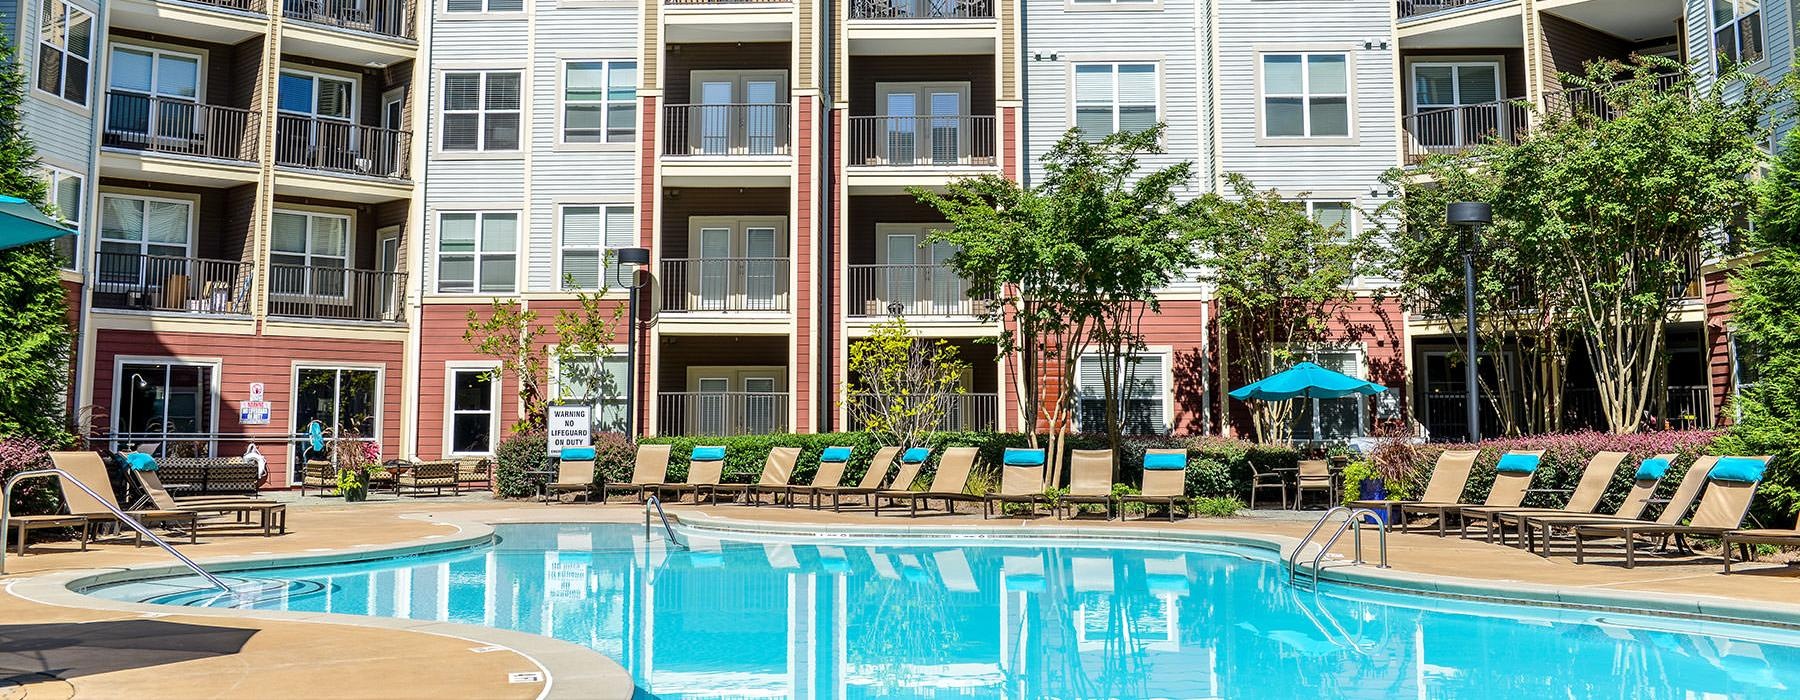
{"points": [[31, 652]]}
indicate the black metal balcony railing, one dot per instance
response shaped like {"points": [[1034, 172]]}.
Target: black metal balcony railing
{"points": [[1415, 8], [169, 283], [245, 5], [146, 123], [726, 130], [922, 9], [910, 290], [324, 144], [1457, 129], [1579, 100], [721, 413], [336, 293], [935, 141], [725, 284], [959, 411], [391, 18]]}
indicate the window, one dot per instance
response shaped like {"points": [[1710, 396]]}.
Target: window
{"points": [[1114, 2], [1333, 215], [66, 195], [458, 6], [478, 252], [1305, 95], [309, 253], [588, 232], [344, 401], [481, 111], [599, 101], [1737, 31], [65, 48], [133, 227], [1114, 97], [1332, 419], [473, 418], [319, 96], [158, 401], [1442, 85], [598, 382], [1140, 384], [150, 91]]}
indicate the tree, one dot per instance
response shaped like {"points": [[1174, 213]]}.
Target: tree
{"points": [[578, 340], [1276, 271], [1071, 263], [34, 331], [901, 386]]}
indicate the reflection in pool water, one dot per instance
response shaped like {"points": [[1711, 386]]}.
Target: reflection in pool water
{"points": [[1015, 619]]}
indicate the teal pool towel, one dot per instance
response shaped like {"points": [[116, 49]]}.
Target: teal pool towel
{"points": [[577, 454], [140, 461], [1165, 461], [1023, 457], [915, 455]]}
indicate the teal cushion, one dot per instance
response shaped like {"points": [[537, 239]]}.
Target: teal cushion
{"points": [[1023, 457], [140, 461], [577, 454], [708, 454], [1518, 463], [835, 454], [1742, 469], [916, 454], [1165, 460], [1652, 469]]}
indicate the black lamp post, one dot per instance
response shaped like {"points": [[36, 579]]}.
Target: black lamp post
{"points": [[1472, 215], [633, 260]]}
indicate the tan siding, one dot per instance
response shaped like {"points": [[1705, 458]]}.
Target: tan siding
{"points": [[685, 58], [976, 70]]}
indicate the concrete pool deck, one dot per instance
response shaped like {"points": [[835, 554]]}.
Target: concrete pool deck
{"points": [[50, 649]]}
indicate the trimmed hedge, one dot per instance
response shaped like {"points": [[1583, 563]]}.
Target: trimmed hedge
{"points": [[1565, 456]]}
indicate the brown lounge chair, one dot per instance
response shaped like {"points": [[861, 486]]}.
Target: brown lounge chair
{"points": [[437, 476], [26, 523], [832, 461], [1448, 477], [1743, 539], [871, 479], [778, 467], [572, 476], [1162, 486], [1508, 491], [650, 470], [272, 515], [1090, 482], [87, 468], [1594, 479], [1021, 481], [1722, 509], [1635, 507], [705, 465], [948, 484]]}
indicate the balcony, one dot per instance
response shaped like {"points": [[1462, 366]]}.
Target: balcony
{"points": [[1419, 8], [141, 282], [921, 9], [726, 130], [388, 18], [140, 122], [1573, 101], [335, 146], [336, 293], [1458, 129], [922, 141], [721, 413], [909, 290], [725, 285], [960, 412], [255, 6]]}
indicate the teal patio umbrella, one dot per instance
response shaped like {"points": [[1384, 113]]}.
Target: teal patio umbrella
{"points": [[1306, 380], [22, 224]]}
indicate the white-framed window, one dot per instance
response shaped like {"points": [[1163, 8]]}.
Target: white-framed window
{"points": [[164, 400], [599, 101], [1142, 384], [481, 111], [152, 92], [1737, 31], [65, 50], [67, 195], [1445, 84], [314, 95], [1115, 97], [134, 226], [1332, 419], [478, 252], [472, 420], [1113, 2], [589, 233], [474, 6], [309, 253], [1333, 214], [597, 382], [1305, 95]]}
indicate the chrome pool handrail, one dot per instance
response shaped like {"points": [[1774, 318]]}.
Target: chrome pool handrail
{"points": [[6, 514], [1353, 520], [1294, 557], [657, 502]]}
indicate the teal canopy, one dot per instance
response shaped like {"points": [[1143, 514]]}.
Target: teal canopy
{"points": [[22, 224], [1306, 380]]}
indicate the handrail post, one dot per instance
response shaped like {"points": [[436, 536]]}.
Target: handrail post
{"points": [[6, 514], [650, 501]]}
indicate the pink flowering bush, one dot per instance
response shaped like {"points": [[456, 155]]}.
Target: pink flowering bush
{"points": [[1565, 456], [34, 496]]}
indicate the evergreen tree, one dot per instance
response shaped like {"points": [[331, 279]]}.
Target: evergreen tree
{"points": [[34, 330]]}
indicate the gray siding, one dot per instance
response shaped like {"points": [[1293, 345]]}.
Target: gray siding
{"points": [[61, 130], [1778, 45]]}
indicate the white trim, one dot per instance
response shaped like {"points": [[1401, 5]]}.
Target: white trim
{"points": [[216, 364], [1073, 100], [95, 33], [307, 256], [1412, 64], [316, 75], [605, 103], [143, 243], [556, 263], [1352, 135], [451, 369], [440, 113], [1167, 355], [437, 252]]}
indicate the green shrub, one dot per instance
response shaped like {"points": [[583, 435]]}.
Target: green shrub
{"points": [[615, 455], [1208, 477], [520, 453], [1217, 506]]}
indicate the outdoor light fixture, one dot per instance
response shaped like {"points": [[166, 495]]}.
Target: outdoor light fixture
{"points": [[1473, 215], [631, 261]]}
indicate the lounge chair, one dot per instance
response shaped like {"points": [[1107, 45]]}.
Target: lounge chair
{"points": [[778, 467], [1021, 481], [1595, 477], [830, 474], [1542, 527], [875, 475], [1730, 486], [705, 465], [953, 569], [574, 474], [1512, 477], [272, 515], [1448, 477], [1314, 475], [437, 476], [1165, 483], [948, 484], [1090, 482], [1742, 538], [87, 468], [26, 523], [649, 471]]}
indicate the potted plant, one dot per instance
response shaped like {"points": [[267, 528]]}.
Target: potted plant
{"points": [[354, 458]]}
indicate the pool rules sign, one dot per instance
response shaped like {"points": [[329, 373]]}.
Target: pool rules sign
{"points": [[571, 425]]}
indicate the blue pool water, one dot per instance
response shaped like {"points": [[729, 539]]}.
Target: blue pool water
{"points": [[1012, 619]]}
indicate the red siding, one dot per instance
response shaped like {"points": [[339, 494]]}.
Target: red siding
{"points": [[441, 328], [1009, 156], [1373, 324], [803, 273], [1718, 295]]}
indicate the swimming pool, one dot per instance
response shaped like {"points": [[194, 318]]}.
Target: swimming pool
{"points": [[1014, 618]]}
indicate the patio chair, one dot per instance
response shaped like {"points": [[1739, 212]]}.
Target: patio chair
{"points": [[1730, 486], [437, 476], [1090, 482], [574, 474], [705, 465], [1636, 506], [272, 515], [1314, 475], [872, 479], [829, 474], [1448, 477], [1165, 483], [1021, 481], [1584, 499], [381, 478], [948, 484], [87, 468], [1743, 539], [474, 470], [26, 523], [1260, 480], [318, 475], [778, 467], [1512, 476], [650, 470]]}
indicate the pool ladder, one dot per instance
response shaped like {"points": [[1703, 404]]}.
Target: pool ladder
{"points": [[654, 502], [1353, 521], [6, 512]]}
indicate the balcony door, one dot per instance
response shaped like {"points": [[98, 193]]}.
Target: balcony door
{"points": [[923, 123], [152, 99], [917, 274], [309, 255], [1443, 88], [738, 113], [315, 127], [345, 401], [737, 264], [737, 400]]}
